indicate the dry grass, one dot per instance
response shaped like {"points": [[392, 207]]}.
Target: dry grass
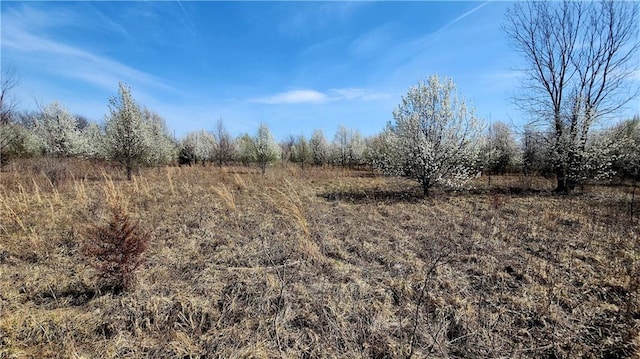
{"points": [[321, 263]]}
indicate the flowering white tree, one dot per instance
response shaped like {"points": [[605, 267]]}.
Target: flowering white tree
{"points": [[435, 136], [125, 131], [266, 150], [93, 141], [162, 148], [627, 134], [379, 150], [58, 131], [199, 146], [17, 141], [627, 163], [244, 149], [319, 148]]}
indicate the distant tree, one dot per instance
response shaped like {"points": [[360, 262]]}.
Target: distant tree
{"points": [[265, 148], [125, 132], [81, 122], [301, 151], [16, 141], [27, 119], [535, 150], [340, 146], [319, 148], [245, 149], [201, 144], [580, 56], [224, 150], [348, 147], [58, 131], [356, 149], [10, 134], [379, 148], [93, 141], [162, 148], [286, 148], [435, 136], [500, 151], [627, 161]]}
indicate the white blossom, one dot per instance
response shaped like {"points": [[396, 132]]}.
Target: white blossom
{"points": [[125, 132], [58, 132], [266, 150], [319, 148], [434, 138]]}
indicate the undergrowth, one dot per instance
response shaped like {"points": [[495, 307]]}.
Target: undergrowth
{"points": [[316, 263]]}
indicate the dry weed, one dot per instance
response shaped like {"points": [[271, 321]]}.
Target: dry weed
{"points": [[320, 263]]}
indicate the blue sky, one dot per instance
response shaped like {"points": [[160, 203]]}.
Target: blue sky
{"points": [[296, 66]]}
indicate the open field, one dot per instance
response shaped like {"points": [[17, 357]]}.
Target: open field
{"points": [[319, 264]]}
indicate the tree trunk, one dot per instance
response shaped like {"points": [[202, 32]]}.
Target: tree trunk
{"points": [[129, 169], [633, 196], [561, 181], [426, 185]]}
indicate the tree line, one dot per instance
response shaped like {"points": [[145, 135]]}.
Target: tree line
{"points": [[579, 56], [435, 138]]}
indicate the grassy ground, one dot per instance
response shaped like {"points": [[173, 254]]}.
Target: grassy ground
{"points": [[315, 264]]}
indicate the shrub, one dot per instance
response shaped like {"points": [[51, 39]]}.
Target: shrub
{"points": [[115, 250]]}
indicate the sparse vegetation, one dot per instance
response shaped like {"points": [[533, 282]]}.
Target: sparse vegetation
{"points": [[319, 263]]}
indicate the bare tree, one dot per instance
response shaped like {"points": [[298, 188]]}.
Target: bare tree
{"points": [[579, 58], [286, 148], [224, 144], [7, 103]]}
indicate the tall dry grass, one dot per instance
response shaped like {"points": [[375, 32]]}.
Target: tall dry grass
{"points": [[319, 263]]}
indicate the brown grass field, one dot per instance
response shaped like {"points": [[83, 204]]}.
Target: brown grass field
{"points": [[323, 263]]}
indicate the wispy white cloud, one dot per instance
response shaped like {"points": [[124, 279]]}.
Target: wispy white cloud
{"points": [[357, 94], [187, 17], [314, 97], [450, 23], [318, 16], [66, 60], [373, 41]]}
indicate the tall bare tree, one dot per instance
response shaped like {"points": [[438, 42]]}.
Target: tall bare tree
{"points": [[579, 59]]}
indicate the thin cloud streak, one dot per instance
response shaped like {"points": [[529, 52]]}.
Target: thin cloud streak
{"points": [[316, 97], [71, 62], [186, 15], [292, 97], [450, 23]]}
